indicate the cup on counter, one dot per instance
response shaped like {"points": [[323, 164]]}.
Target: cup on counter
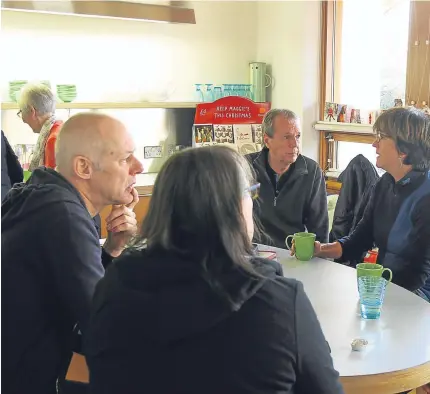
{"points": [[304, 244], [372, 292]]}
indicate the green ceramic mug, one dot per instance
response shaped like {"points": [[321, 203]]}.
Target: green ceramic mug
{"points": [[370, 269], [304, 245], [27, 175]]}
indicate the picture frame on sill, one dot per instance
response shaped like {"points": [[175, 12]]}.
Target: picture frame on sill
{"points": [[330, 112], [341, 113], [152, 152]]}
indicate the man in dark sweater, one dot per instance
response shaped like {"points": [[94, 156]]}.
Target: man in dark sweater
{"points": [[51, 255], [293, 196]]}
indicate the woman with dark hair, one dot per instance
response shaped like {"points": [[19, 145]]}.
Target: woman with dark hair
{"points": [[397, 216], [190, 309]]}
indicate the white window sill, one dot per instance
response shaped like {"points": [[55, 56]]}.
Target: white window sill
{"points": [[355, 128]]}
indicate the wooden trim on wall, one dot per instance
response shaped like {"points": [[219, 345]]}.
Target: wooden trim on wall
{"points": [[418, 64], [349, 137], [323, 151], [412, 38], [331, 47], [107, 9], [337, 57], [323, 60]]}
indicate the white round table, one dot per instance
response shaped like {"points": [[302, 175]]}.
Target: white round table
{"points": [[397, 357]]}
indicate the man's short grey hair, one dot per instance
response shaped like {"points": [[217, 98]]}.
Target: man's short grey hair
{"points": [[269, 118], [37, 96]]}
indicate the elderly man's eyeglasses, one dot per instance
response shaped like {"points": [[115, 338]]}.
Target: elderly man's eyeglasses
{"points": [[19, 114], [253, 190]]}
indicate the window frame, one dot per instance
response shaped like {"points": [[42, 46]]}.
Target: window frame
{"points": [[331, 48], [333, 137], [331, 44]]}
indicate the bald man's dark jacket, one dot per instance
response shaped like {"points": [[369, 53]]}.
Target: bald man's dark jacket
{"points": [[51, 263]]}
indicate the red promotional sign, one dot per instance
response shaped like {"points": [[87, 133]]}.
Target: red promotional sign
{"points": [[231, 110]]}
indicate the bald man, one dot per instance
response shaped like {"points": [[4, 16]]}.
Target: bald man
{"points": [[51, 255]]}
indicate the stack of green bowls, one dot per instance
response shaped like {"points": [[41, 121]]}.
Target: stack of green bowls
{"points": [[14, 88], [66, 93], [46, 83]]}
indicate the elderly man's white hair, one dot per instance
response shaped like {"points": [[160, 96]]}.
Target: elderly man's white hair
{"points": [[37, 96]]}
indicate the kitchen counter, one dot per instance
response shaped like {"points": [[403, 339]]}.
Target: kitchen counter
{"points": [[144, 190], [145, 183]]}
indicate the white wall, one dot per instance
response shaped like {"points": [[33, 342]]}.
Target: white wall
{"points": [[120, 60], [115, 59], [289, 40]]}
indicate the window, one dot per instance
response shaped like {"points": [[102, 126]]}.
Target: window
{"points": [[373, 53], [347, 150], [339, 148], [371, 49]]}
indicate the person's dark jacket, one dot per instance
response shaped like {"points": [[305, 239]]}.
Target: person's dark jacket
{"points": [[357, 179], [157, 327], [299, 205], [98, 222], [51, 263], [397, 221], [11, 170]]}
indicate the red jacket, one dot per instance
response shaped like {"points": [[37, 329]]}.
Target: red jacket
{"points": [[49, 159]]}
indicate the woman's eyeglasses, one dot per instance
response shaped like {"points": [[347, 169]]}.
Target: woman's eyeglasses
{"points": [[380, 136], [253, 191], [19, 114]]}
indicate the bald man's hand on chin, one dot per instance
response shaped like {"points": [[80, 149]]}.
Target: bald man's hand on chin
{"points": [[121, 226]]}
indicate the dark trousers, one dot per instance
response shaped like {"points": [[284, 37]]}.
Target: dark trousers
{"points": [[68, 387]]}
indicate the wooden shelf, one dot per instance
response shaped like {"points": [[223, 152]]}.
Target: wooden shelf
{"points": [[129, 10], [110, 105], [355, 128], [333, 186]]}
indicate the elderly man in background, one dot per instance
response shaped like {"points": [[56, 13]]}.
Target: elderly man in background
{"points": [[51, 255], [37, 109], [292, 193]]}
